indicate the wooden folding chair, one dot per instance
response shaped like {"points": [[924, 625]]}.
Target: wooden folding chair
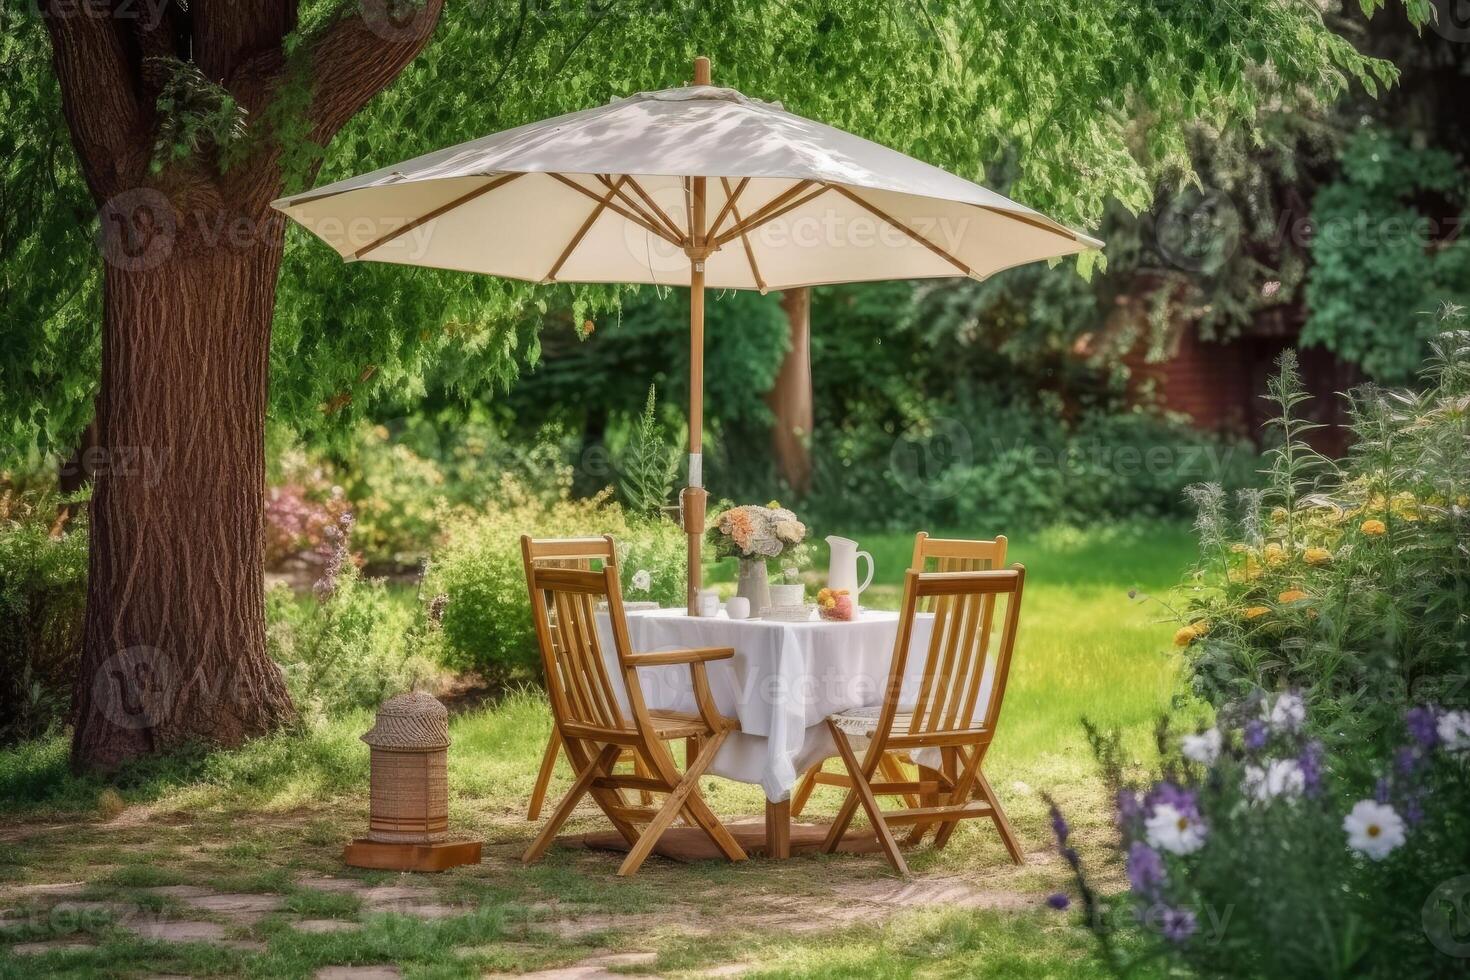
{"points": [[553, 744], [592, 724], [930, 555], [947, 714]]}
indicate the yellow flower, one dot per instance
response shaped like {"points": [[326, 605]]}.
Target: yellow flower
{"points": [[1374, 527], [1188, 634], [1239, 548], [1318, 556], [774, 505], [1275, 554], [1462, 501], [1256, 612], [1291, 595]]}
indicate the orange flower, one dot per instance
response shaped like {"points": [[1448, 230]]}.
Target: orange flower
{"points": [[1374, 528], [1318, 556], [1274, 553], [1292, 595], [1256, 612], [1188, 634]]}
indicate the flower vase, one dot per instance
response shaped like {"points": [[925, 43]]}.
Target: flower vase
{"points": [[754, 584]]}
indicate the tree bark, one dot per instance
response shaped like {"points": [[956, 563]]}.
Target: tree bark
{"points": [[791, 396], [174, 641], [174, 644]]}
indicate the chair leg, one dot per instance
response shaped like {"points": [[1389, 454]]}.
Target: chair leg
{"points": [[596, 767], [640, 768], [673, 806], [804, 790], [997, 814], [918, 830], [543, 778], [864, 794], [893, 769], [699, 812], [960, 792]]}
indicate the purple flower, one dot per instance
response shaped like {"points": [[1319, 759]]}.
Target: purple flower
{"points": [[1177, 924], [1255, 734], [1310, 764], [1414, 809], [1380, 790], [1145, 869], [1406, 761], [1059, 902], [1059, 826], [1421, 722], [1129, 808], [1167, 794]]}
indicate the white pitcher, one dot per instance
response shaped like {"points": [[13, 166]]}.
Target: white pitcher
{"points": [[842, 567]]}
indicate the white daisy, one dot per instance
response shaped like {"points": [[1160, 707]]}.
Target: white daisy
{"points": [[1170, 829], [1203, 748], [1283, 777], [642, 580], [1373, 829], [1288, 714], [1453, 729]]}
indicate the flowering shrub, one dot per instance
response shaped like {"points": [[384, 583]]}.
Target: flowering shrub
{"points": [[487, 616], [1353, 580], [43, 594], [299, 508], [1256, 852], [351, 643]]}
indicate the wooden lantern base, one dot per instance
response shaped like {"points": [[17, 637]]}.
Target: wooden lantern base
{"points": [[364, 853]]}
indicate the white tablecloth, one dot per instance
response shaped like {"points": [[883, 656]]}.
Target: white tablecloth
{"points": [[782, 683]]}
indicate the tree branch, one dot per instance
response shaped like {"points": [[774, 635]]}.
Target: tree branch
{"points": [[99, 93], [359, 55]]}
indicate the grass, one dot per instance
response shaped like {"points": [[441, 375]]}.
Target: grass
{"points": [[257, 818]]}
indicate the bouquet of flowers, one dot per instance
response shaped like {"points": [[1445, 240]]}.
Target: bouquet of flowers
{"points": [[753, 531]]}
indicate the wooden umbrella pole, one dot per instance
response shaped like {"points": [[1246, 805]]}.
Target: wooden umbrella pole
{"points": [[694, 495]]}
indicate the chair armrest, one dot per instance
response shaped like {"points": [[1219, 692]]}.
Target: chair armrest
{"points": [[697, 655]]}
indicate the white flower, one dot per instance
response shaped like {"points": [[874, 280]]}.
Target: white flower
{"points": [[1373, 829], [1453, 729], [1172, 830], [1203, 748], [1288, 714], [642, 581], [1282, 777]]}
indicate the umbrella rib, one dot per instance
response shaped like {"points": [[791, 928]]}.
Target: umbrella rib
{"points": [[749, 252], [772, 210], [582, 231], [880, 213], [668, 222], [618, 209], [1066, 233], [730, 199], [437, 212]]}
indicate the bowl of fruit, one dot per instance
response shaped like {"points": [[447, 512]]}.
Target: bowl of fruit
{"points": [[836, 605]]}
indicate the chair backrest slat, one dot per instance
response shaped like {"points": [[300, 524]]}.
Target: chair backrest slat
{"points": [[564, 589], [955, 555], [970, 648]]}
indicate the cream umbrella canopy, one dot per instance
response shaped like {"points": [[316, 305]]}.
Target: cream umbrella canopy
{"points": [[697, 186]]}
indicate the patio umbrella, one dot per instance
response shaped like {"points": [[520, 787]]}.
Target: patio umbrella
{"points": [[696, 186]]}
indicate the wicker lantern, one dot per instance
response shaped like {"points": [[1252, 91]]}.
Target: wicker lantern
{"points": [[408, 825]]}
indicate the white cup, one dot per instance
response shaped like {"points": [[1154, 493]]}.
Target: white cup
{"points": [[708, 604], [737, 607]]}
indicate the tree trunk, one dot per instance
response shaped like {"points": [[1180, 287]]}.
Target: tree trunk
{"points": [[791, 396], [174, 644]]}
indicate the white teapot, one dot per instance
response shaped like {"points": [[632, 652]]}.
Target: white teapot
{"points": [[842, 567]]}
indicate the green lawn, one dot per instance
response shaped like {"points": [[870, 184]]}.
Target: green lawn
{"points": [[260, 817]]}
